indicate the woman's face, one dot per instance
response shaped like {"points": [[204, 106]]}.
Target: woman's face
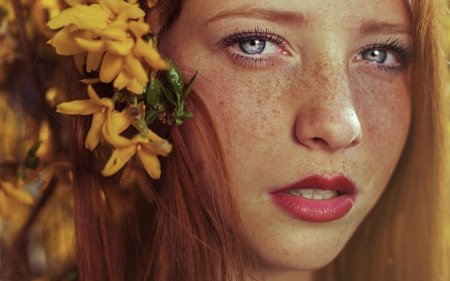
{"points": [[312, 102]]}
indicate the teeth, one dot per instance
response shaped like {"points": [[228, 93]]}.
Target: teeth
{"points": [[317, 194]]}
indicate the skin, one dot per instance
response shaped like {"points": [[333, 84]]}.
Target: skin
{"points": [[318, 108]]}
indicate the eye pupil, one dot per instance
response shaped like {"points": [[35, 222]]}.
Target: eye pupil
{"points": [[253, 46], [376, 56]]}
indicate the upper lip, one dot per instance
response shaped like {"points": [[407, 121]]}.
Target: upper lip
{"points": [[338, 183]]}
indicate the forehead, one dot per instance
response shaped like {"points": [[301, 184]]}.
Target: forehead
{"points": [[309, 13]]}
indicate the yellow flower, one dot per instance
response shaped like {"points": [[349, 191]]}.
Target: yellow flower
{"points": [[96, 17], [85, 27], [145, 149], [124, 48], [9, 190], [96, 106], [146, 50], [110, 39]]}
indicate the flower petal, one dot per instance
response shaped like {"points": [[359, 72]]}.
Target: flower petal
{"points": [[138, 28], [111, 67], [96, 46], [90, 81], [151, 3], [17, 194], [84, 17], [153, 137], [122, 120], [150, 163], [64, 42], [116, 31], [122, 80], [5, 207], [111, 134], [78, 107], [128, 11], [93, 61], [74, 3], [162, 147], [121, 48], [151, 56], [135, 87], [135, 68], [95, 132], [111, 6], [118, 159]]}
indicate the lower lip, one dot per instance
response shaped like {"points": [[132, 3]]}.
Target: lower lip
{"points": [[314, 210]]}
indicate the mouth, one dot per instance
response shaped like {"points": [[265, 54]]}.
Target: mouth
{"points": [[316, 198], [316, 194]]}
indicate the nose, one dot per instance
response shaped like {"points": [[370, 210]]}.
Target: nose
{"points": [[329, 121]]}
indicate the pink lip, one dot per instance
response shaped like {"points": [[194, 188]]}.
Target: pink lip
{"points": [[317, 210]]}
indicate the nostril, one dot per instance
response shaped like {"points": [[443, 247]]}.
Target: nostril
{"points": [[319, 141]]}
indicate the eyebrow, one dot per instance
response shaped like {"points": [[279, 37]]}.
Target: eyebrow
{"points": [[368, 26], [283, 17], [375, 26]]}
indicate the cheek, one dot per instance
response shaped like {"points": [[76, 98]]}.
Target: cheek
{"points": [[247, 108], [385, 111]]}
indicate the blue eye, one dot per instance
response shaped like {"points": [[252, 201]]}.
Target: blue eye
{"points": [[252, 47], [376, 55], [257, 47], [390, 56]]}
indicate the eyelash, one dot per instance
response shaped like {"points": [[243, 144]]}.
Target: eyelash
{"points": [[399, 49], [260, 34], [403, 52]]}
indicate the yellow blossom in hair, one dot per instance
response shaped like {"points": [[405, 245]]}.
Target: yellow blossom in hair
{"points": [[125, 49], [112, 41], [99, 108], [96, 17], [7, 189], [145, 149]]}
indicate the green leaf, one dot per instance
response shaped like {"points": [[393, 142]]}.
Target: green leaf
{"points": [[150, 116], [189, 88], [186, 114], [154, 93], [32, 162], [34, 148], [175, 79], [178, 121], [169, 95]]}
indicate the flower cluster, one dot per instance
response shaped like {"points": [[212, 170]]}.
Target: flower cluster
{"points": [[110, 39], [114, 40]]}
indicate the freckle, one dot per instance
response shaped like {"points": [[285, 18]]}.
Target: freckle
{"points": [[221, 103]]}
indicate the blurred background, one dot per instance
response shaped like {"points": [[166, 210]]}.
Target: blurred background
{"points": [[33, 145]]}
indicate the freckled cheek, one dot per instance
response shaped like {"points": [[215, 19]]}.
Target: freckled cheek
{"points": [[250, 104], [385, 110]]}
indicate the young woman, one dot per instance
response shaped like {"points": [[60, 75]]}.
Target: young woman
{"points": [[316, 150]]}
